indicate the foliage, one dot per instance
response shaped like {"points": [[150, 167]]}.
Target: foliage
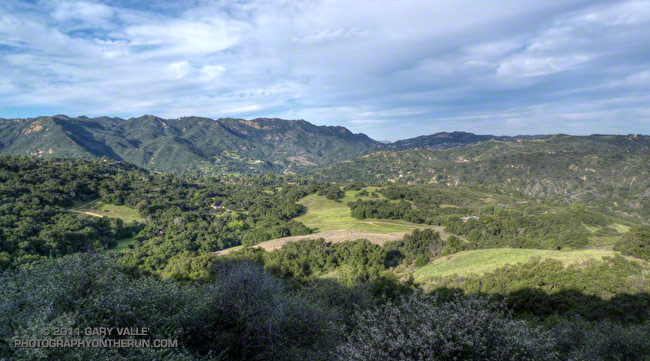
{"points": [[325, 215], [579, 340], [188, 144], [511, 222], [636, 243], [540, 288], [356, 186], [33, 200], [421, 246], [243, 314], [609, 172], [356, 261], [418, 328], [481, 261], [177, 211], [331, 191]]}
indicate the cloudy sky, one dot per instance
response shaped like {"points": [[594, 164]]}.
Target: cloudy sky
{"points": [[390, 69]]}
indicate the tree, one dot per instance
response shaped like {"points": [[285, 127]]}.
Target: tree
{"points": [[636, 243]]}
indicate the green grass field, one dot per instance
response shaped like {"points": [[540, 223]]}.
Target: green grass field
{"points": [[486, 260], [99, 209], [122, 245], [327, 215], [620, 227]]}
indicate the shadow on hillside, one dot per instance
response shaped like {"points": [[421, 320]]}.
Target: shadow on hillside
{"points": [[537, 305]]}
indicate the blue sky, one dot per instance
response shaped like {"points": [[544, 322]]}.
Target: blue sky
{"points": [[390, 69]]}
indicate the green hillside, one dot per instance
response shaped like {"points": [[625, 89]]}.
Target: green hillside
{"points": [[206, 145], [187, 144], [78, 266], [609, 171], [326, 215], [481, 261]]}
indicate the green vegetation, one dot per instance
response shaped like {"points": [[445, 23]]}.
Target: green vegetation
{"points": [[636, 243], [99, 209], [239, 313], [312, 299], [609, 172], [188, 144], [325, 215], [481, 261], [487, 220], [419, 246], [36, 195], [122, 245], [615, 288]]}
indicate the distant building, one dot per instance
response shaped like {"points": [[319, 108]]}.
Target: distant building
{"points": [[466, 218], [215, 206]]}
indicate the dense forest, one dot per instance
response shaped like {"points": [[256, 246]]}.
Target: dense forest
{"points": [[309, 299], [179, 213]]}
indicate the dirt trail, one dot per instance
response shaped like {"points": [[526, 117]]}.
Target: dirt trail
{"points": [[330, 236], [85, 212]]}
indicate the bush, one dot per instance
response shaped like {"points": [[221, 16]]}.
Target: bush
{"points": [[579, 340], [422, 328], [332, 192], [636, 243], [244, 314], [421, 261], [421, 245]]}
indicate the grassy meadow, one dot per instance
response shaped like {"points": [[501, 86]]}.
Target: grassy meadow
{"points": [[100, 209], [328, 215], [486, 260]]}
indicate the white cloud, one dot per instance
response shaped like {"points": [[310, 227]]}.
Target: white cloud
{"points": [[541, 65], [185, 37], [89, 13], [392, 69]]}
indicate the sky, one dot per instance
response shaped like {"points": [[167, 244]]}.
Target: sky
{"points": [[390, 69]]}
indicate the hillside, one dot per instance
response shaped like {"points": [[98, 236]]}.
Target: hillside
{"points": [[609, 171], [210, 146], [92, 238], [445, 140], [188, 143]]}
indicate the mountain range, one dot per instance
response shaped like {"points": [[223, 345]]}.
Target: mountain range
{"points": [[188, 143], [211, 146], [612, 171]]}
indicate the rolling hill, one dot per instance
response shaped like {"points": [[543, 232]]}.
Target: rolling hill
{"points": [[610, 171], [446, 140]]}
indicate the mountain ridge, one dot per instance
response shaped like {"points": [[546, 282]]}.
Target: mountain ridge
{"points": [[610, 171], [211, 146]]}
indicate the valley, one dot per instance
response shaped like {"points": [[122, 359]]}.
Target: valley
{"points": [[389, 225], [318, 180]]}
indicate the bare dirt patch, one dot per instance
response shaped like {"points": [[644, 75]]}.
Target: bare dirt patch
{"points": [[329, 236]]}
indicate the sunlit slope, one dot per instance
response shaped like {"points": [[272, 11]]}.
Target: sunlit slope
{"points": [[99, 209], [328, 215], [486, 260]]}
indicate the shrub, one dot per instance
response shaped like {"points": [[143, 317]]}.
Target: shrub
{"points": [[636, 243], [421, 328]]}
